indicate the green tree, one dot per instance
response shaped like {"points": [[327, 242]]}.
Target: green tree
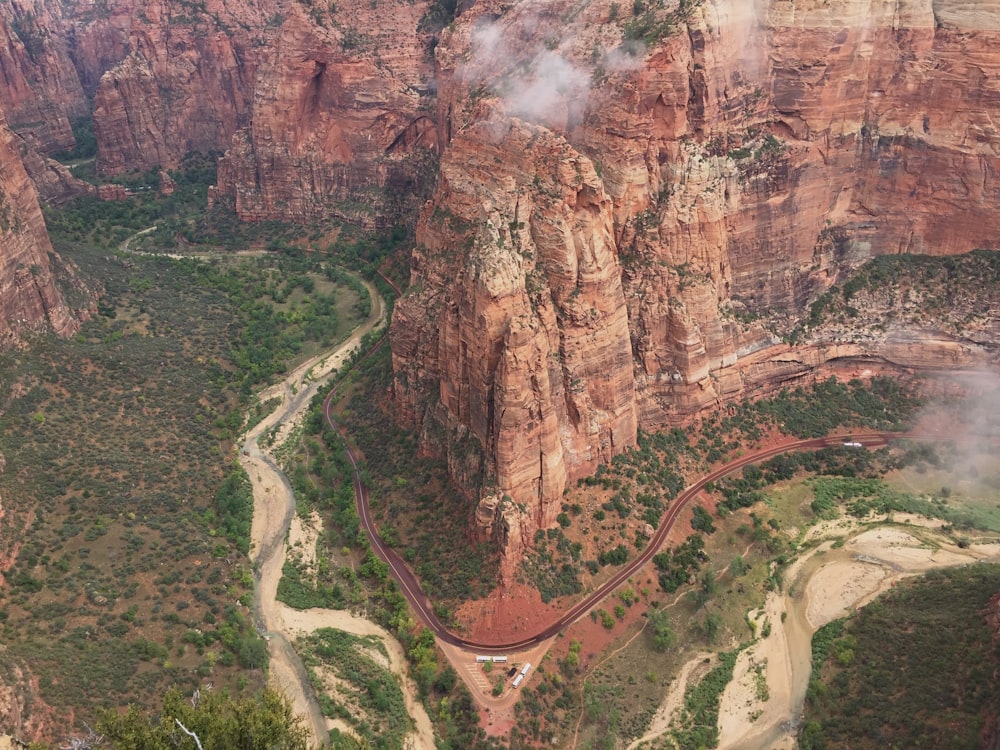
{"points": [[664, 636], [261, 722]]}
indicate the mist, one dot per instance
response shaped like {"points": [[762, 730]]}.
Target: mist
{"points": [[538, 79]]}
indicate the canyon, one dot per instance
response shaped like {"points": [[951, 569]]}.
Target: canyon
{"points": [[624, 212], [630, 237]]}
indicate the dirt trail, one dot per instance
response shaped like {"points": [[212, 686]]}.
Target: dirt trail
{"points": [[274, 507]]}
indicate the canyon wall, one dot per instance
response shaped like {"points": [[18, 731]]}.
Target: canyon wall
{"points": [[340, 120], [184, 82], [324, 110], [29, 297], [637, 205], [636, 202], [41, 90], [321, 107]]}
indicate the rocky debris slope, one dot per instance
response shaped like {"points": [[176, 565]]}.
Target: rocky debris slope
{"points": [[629, 196]]}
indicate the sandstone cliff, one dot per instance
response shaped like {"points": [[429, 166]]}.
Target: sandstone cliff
{"points": [[41, 90], [54, 181], [520, 290], [722, 164], [29, 298], [340, 119], [184, 83]]}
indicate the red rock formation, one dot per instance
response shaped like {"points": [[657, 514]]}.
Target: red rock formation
{"points": [[184, 85], [337, 122], [41, 89], [112, 192], [527, 332], [29, 298], [167, 184], [54, 182], [747, 161]]}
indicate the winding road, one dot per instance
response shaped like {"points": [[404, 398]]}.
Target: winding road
{"points": [[418, 600]]}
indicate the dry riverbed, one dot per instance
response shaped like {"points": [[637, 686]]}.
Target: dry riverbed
{"points": [[274, 511], [823, 584]]}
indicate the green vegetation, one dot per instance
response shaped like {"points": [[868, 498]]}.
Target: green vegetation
{"points": [[699, 721], [955, 291], [347, 573], [913, 669], [86, 142], [650, 22], [884, 404], [748, 534], [133, 545], [261, 722], [234, 508], [429, 516], [291, 305], [354, 687], [132, 573], [676, 566], [438, 15], [106, 224], [540, 568], [664, 635]]}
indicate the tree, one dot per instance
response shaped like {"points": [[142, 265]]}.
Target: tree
{"points": [[211, 720], [664, 637], [712, 626]]}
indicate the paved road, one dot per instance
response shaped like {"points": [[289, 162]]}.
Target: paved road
{"points": [[425, 611]]}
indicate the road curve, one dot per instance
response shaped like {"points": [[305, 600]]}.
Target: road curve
{"points": [[425, 611]]}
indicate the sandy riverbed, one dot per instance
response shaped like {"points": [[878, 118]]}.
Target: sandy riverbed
{"points": [[821, 585], [273, 520]]}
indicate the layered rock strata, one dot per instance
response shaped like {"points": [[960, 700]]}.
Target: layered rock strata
{"points": [[519, 292], [184, 84], [29, 297], [746, 160], [340, 118], [41, 90]]}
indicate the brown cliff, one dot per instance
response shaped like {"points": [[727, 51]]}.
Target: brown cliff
{"points": [[29, 298], [527, 328], [338, 120], [748, 159], [55, 183]]}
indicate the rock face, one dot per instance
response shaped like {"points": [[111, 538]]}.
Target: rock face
{"points": [[41, 90], [623, 233], [55, 183], [340, 118], [321, 108], [520, 290], [29, 298], [184, 82]]}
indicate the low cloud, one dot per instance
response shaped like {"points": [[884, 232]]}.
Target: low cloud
{"points": [[535, 83]]}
